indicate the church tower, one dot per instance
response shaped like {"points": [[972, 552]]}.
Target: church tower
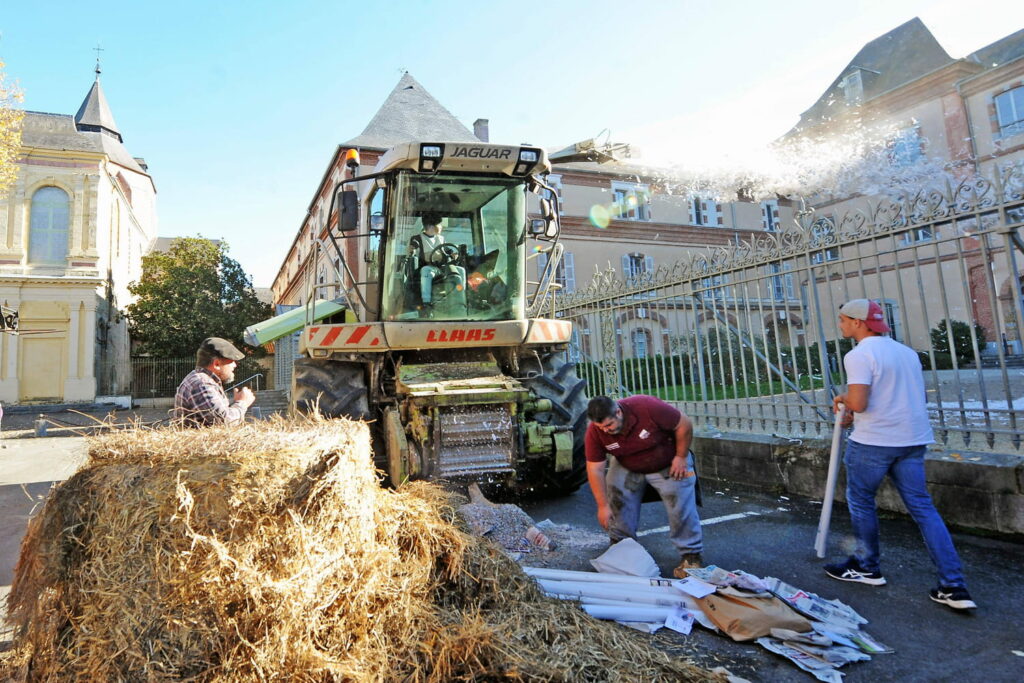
{"points": [[73, 230]]}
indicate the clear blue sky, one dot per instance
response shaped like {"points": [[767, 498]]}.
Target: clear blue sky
{"points": [[238, 106]]}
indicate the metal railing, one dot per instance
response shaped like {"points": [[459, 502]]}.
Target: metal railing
{"points": [[144, 377], [745, 337]]}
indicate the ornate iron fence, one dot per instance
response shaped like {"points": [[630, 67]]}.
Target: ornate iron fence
{"points": [[745, 337]]}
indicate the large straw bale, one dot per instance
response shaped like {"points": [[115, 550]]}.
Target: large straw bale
{"points": [[270, 552]]}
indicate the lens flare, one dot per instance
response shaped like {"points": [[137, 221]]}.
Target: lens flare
{"points": [[600, 216]]}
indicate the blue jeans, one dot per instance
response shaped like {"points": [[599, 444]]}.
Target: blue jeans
{"points": [[866, 467], [625, 491], [455, 274]]}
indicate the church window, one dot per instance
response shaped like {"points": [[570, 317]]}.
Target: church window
{"points": [[48, 227]]}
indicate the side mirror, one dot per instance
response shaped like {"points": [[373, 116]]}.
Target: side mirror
{"points": [[552, 228], [347, 202], [538, 227], [546, 208]]}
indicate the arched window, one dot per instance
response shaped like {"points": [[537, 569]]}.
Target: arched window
{"points": [[48, 227]]}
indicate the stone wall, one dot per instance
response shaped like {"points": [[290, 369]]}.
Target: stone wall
{"points": [[977, 491]]}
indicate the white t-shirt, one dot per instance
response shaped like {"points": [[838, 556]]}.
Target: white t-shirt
{"points": [[430, 242], [896, 414]]}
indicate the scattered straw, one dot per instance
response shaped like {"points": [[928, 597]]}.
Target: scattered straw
{"points": [[269, 551]]}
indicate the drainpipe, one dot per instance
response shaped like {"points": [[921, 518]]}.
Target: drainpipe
{"points": [[970, 127]]}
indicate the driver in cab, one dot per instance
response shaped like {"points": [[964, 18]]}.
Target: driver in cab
{"points": [[433, 260]]}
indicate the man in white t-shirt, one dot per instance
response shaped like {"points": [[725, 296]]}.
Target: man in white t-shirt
{"points": [[430, 262], [885, 398]]}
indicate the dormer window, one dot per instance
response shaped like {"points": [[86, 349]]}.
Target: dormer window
{"points": [[854, 82], [853, 87]]}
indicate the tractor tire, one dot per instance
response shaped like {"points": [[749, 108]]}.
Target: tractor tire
{"points": [[567, 392], [330, 388]]}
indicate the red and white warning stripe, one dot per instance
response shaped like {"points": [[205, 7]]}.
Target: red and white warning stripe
{"points": [[344, 336], [549, 331]]}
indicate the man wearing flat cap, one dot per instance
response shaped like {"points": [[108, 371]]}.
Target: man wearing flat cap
{"points": [[201, 399]]}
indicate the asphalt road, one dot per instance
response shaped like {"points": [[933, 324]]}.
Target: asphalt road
{"points": [[776, 538]]}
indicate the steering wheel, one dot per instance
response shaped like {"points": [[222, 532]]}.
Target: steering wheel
{"points": [[443, 255]]}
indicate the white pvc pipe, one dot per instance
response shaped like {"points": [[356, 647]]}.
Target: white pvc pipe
{"points": [[821, 538], [598, 577], [590, 601], [697, 614], [647, 596]]}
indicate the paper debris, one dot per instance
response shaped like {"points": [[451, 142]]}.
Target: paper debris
{"points": [[821, 670], [832, 612], [695, 587], [721, 577], [626, 557], [680, 621]]}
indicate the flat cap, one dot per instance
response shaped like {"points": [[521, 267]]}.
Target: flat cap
{"points": [[221, 347]]}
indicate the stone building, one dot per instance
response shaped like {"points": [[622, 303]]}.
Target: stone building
{"points": [[73, 229], [944, 116]]}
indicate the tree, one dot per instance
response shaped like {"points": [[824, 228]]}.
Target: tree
{"points": [[188, 293], [10, 131]]}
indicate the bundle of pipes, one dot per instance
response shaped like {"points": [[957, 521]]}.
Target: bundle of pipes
{"points": [[618, 597]]}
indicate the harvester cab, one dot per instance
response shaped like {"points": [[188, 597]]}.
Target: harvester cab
{"points": [[434, 332]]}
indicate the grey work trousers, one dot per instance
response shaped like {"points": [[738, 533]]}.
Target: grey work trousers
{"points": [[625, 490]]}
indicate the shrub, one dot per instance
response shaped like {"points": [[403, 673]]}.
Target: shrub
{"points": [[943, 361], [962, 346]]}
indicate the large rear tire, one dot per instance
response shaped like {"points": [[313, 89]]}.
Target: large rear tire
{"points": [[567, 392], [330, 388]]}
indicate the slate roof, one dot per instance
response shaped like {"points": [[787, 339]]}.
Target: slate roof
{"points": [[1000, 52], [92, 129], [58, 131], [95, 112], [410, 113], [902, 55]]}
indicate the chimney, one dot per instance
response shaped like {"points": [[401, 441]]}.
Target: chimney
{"points": [[480, 130]]}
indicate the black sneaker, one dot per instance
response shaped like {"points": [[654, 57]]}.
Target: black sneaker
{"points": [[852, 571], [956, 597]]}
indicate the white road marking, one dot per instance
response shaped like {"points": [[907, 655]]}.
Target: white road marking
{"points": [[704, 522]]}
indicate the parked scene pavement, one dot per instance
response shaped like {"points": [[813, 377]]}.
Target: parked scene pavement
{"points": [[760, 533]]}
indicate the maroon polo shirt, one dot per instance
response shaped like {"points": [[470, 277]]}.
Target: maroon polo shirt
{"points": [[646, 442]]}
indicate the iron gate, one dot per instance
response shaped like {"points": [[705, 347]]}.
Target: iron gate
{"points": [[745, 337]]}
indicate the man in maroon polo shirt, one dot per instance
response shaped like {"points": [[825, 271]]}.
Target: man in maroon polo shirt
{"points": [[649, 442]]}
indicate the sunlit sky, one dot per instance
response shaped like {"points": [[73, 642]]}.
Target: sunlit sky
{"points": [[237, 106]]}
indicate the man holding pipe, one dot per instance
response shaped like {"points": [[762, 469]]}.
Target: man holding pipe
{"points": [[201, 399], [649, 443], [885, 399]]}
